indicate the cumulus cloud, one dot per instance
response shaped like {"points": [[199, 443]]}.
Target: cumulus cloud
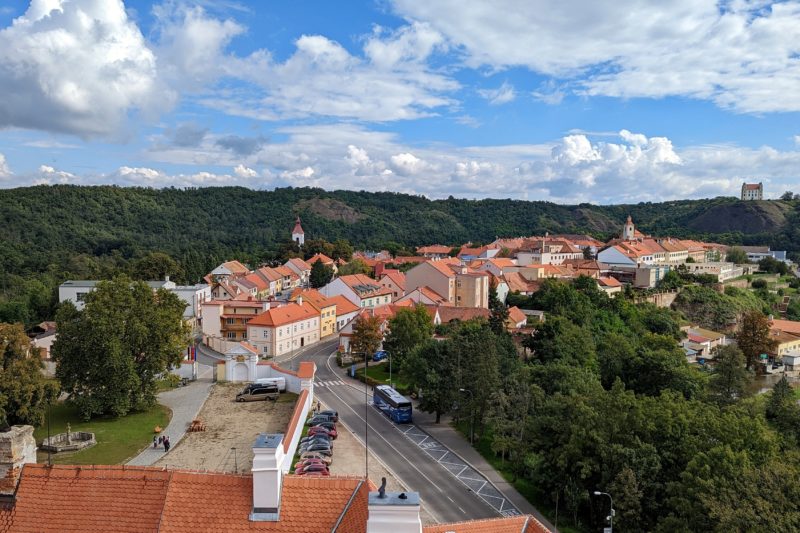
{"points": [[244, 172], [741, 55], [76, 67], [187, 134], [502, 95]]}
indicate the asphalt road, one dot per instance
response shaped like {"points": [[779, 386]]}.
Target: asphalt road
{"points": [[444, 497]]}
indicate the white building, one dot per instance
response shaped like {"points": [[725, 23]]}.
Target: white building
{"points": [[76, 291], [298, 235], [359, 289], [282, 329]]}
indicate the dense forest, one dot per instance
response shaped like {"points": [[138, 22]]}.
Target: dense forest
{"points": [[53, 233]]}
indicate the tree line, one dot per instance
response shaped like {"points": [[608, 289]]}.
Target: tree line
{"points": [[603, 399]]}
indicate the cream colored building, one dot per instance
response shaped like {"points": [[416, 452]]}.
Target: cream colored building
{"points": [[282, 329]]}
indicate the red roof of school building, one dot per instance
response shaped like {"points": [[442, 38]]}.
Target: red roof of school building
{"points": [[287, 314]]}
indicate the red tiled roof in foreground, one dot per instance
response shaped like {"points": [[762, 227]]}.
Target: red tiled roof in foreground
{"points": [[517, 524], [136, 499]]}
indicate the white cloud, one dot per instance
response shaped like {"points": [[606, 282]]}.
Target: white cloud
{"points": [[5, 171], [76, 67], [502, 95], [244, 172], [742, 55], [580, 167], [797, 140]]}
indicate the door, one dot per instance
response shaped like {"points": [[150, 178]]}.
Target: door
{"points": [[302, 341]]}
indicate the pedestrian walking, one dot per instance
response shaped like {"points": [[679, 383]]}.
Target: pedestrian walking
{"points": [[166, 444], [155, 441], [160, 440]]}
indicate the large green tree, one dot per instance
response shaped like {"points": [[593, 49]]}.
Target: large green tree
{"points": [[753, 337], [155, 266], [430, 369], [736, 255], [367, 335], [24, 391], [782, 409], [321, 274], [730, 378], [109, 355], [356, 266], [409, 328]]}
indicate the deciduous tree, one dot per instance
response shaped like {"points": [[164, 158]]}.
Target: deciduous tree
{"points": [[321, 274], [110, 354], [753, 337], [367, 335], [730, 378], [24, 390], [409, 328]]}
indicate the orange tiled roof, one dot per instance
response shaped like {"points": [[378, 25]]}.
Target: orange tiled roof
{"points": [[516, 314], [517, 524], [343, 305], [278, 316], [269, 274], [314, 297], [443, 267], [320, 257], [369, 287], [432, 294], [789, 326], [236, 267], [257, 281], [517, 283], [396, 276], [298, 416], [135, 499], [286, 272], [434, 249], [400, 259], [299, 263]]}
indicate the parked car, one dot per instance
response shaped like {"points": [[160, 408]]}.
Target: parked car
{"points": [[326, 425], [316, 419], [330, 413], [319, 430], [315, 469], [380, 355], [324, 453], [310, 442], [327, 459], [306, 462], [317, 447], [254, 393]]}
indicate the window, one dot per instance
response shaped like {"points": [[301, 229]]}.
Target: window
{"points": [[266, 334], [230, 321], [301, 326], [295, 328], [80, 296], [231, 334], [266, 350]]}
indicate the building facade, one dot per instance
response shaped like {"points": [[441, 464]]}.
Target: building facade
{"points": [[752, 191], [282, 329]]}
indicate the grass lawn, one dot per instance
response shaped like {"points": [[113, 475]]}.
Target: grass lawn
{"points": [[380, 372], [523, 486], [118, 439]]}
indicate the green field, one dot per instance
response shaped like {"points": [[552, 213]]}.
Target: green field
{"points": [[118, 439]]}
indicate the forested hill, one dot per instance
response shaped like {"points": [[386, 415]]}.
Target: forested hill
{"points": [[48, 224], [52, 233]]}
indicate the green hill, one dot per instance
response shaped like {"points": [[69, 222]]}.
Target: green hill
{"points": [[54, 232]]}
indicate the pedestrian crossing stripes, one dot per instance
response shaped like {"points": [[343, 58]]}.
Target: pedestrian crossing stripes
{"points": [[329, 383]]}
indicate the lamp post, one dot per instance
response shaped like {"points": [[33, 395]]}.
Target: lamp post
{"points": [[471, 418], [610, 517]]}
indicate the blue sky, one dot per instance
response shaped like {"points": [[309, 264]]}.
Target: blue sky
{"points": [[571, 102]]}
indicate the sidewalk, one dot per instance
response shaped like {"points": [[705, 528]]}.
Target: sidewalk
{"points": [[185, 403], [449, 437]]}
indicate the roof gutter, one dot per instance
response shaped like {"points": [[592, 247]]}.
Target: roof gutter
{"points": [[347, 507]]}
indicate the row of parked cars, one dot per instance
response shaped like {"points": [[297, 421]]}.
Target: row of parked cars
{"points": [[316, 449]]}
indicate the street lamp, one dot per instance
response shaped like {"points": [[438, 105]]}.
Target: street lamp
{"points": [[471, 418], [610, 517]]}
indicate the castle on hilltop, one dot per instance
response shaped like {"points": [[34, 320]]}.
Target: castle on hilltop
{"points": [[752, 191]]}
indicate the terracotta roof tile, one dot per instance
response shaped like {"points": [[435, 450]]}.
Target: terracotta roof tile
{"points": [[287, 314], [516, 314], [517, 524], [320, 257], [789, 326], [343, 305], [434, 249], [298, 416]]}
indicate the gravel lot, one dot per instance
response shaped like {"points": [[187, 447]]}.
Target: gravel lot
{"points": [[229, 425]]}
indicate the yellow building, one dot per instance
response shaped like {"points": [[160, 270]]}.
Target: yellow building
{"points": [[325, 306]]}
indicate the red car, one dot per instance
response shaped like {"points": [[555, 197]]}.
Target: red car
{"points": [[319, 430], [313, 469]]}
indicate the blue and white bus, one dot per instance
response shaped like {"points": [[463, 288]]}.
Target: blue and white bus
{"points": [[395, 405]]}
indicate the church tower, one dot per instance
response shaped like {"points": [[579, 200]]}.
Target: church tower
{"points": [[298, 235], [628, 232]]}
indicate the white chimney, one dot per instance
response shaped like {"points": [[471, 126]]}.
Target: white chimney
{"points": [[300, 300], [393, 512], [268, 455], [17, 447]]}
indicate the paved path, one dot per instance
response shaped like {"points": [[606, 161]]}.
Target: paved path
{"points": [[185, 403]]}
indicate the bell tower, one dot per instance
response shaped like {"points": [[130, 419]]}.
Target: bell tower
{"points": [[298, 235], [629, 230]]}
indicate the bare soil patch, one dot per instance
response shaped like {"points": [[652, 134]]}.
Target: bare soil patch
{"points": [[231, 429]]}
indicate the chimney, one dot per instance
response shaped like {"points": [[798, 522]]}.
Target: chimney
{"points": [[17, 447], [393, 512], [300, 300], [268, 455]]}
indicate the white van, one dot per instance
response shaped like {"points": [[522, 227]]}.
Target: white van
{"points": [[280, 382]]}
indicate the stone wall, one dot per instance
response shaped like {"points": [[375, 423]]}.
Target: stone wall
{"points": [[17, 447]]}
